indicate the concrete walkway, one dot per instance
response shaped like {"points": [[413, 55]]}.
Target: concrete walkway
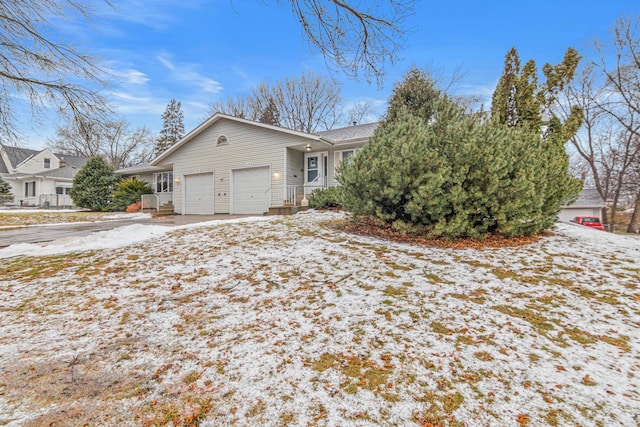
{"points": [[39, 234]]}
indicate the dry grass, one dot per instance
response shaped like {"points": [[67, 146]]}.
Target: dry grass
{"points": [[285, 322], [10, 218]]}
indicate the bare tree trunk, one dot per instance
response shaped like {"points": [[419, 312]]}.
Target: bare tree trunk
{"points": [[635, 216]]}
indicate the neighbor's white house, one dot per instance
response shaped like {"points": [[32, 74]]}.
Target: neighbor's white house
{"points": [[237, 166], [39, 178]]}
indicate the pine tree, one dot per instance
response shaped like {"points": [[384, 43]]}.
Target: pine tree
{"points": [[529, 105], [416, 93], [172, 127], [270, 115], [504, 101], [435, 169], [5, 192], [93, 185]]}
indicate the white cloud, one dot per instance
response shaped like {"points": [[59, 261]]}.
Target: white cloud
{"points": [[129, 76], [187, 73]]}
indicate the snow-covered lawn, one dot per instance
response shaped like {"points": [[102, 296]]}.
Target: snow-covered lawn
{"points": [[286, 321]]}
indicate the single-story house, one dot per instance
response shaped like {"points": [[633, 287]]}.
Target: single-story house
{"points": [[237, 166], [589, 203], [39, 178]]}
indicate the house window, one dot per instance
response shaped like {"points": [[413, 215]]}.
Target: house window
{"points": [[342, 156], [164, 182], [47, 163], [30, 189], [222, 140], [63, 190]]}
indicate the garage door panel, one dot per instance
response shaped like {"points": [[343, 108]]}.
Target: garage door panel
{"points": [[199, 194], [251, 190]]}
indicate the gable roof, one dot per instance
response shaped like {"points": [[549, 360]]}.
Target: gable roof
{"points": [[219, 116], [16, 156], [589, 197], [19, 155], [350, 133]]}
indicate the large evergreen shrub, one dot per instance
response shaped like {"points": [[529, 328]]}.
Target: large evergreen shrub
{"points": [[5, 192], [449, 173], [127, 192], [93, 185]]}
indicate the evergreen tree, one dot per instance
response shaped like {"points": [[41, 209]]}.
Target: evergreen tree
{"points": [[270, 114], [416, 93], [93, 185], [503, 103], [529, 105], [519, 100], [434, 168], [5, 192], [129, 191], [172, 127]]}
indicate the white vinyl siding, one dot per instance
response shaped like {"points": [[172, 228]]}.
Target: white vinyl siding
{"points": [[295, 170], [36, 163]]}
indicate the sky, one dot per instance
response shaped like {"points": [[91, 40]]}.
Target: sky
{"points": [[200, 51]]}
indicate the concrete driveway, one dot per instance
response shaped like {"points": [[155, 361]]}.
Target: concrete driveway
{"points": [[39, 234]]}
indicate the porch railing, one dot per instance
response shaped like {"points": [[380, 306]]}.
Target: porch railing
{"points": [[55, 201], [165, 198], [155, 200], [150, 201], [291, 196]]}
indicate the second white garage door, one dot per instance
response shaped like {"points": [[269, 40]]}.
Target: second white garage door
{"points": [[198, 194], [251, 190]]}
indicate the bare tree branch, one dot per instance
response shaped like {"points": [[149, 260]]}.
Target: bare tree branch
{"points": [[360, 38], [37, 66]]}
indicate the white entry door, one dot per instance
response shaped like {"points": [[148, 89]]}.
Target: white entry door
{"points": [[251, 190], [198, 194]]}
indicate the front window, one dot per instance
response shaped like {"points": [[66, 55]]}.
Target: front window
{"points": [[30, 189], [344, 156], [47, 163], [63, 190], [164, 182]]}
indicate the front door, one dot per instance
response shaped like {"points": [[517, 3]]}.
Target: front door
{"points": [[316, 167]]}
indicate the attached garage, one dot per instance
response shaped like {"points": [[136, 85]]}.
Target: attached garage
{"points": [[251, 190], [199, 193]]}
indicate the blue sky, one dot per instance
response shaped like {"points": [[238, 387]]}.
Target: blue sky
{"points": [[198, 51]]}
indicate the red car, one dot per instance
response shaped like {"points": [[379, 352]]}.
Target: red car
{"points": [[589, 221]]}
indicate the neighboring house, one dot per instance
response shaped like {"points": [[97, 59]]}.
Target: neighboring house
{"points": [[237, 166], [589, 203], [39, 178]]}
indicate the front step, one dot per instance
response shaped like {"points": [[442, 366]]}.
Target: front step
{"points": [[165, 210], [282, 210]]}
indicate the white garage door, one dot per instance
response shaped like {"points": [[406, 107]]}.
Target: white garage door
{"points": [[251, 190], [198, 194]]}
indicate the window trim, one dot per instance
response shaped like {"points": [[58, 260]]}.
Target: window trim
{"points": [[165, 185], [30, 185], [222, 140], [338, 157]]}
